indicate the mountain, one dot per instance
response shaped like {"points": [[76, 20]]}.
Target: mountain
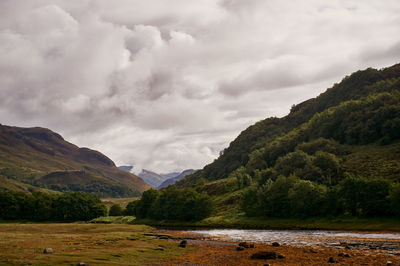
{"points": [[336, 154], [37, 158], [126, 168], [173, 180], [151, 178], [358, 86]]}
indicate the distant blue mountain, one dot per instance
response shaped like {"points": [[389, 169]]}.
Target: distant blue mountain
{"points": [[174, 179], [126, 168]]}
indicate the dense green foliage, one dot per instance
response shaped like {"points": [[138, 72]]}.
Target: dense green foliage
{"points": [[115, 210], [101, 189], [293, 197], [337, 154], [50, 207], [172, 204]]}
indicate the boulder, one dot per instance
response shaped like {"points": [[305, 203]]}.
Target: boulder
{"points": [[243, 244], [275, 244], [332, 260], [342, 254], [48, 251], [183, 244], [264, 255], [240, 248], [82, 264]]}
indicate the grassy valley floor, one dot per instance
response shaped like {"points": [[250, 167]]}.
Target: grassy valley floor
{"points": [[94, 244], [125, 244]]}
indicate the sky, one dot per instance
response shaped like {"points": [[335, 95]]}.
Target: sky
{"points": [[166, 85]]}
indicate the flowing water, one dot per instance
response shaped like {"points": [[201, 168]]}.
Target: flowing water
{"points": [[388, 241]]}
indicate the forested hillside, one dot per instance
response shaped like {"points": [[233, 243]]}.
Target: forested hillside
{"points": [[356, 86], [336, 154]]}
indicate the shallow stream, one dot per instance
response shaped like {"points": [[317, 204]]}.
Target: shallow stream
{"points": [[387, 241]]}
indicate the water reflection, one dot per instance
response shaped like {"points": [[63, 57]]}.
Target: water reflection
{"points": [[305, 237]]}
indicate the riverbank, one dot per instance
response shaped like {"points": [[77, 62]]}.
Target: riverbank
{"points": [[217, 251], [346, 223]]}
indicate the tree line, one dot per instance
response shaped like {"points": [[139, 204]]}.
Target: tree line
{"points": [[40, 206], [294, 197], [171, 204]]}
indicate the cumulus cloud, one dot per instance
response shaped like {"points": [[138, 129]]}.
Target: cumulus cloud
{"points": [[166, 85]]}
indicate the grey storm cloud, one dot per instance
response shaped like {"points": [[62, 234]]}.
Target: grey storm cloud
{"points": [[166, 85]]}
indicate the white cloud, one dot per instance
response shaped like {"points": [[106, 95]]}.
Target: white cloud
{"points": [[165, 85]]}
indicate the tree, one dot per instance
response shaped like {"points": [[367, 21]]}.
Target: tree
{"points": [[249, 202], [307, 199], [329, 165], [130, 208], [115, 210], [289, 163], [394, 199], [144, 206], [274, 200], [366, 197]]}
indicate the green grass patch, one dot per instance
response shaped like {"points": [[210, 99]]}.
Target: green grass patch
{"points": [[113, 220]]}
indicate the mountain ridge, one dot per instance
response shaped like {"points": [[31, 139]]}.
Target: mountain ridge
{"points": [[37, 156]]}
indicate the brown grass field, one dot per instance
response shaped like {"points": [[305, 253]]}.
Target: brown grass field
{"points": [[94, 244], [120, 201]]}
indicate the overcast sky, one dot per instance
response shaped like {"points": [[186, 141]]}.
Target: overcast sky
{"points": [[166, 84]]}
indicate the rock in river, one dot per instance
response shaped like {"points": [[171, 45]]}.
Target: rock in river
{"points": [[264, 255], [183, 244], [48, 251]]}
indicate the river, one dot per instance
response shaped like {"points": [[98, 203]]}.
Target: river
{"points": [[385, 241]]}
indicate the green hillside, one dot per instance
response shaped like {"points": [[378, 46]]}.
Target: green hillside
{"points": [[356, 86], [36, 158], [336, 154]]}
